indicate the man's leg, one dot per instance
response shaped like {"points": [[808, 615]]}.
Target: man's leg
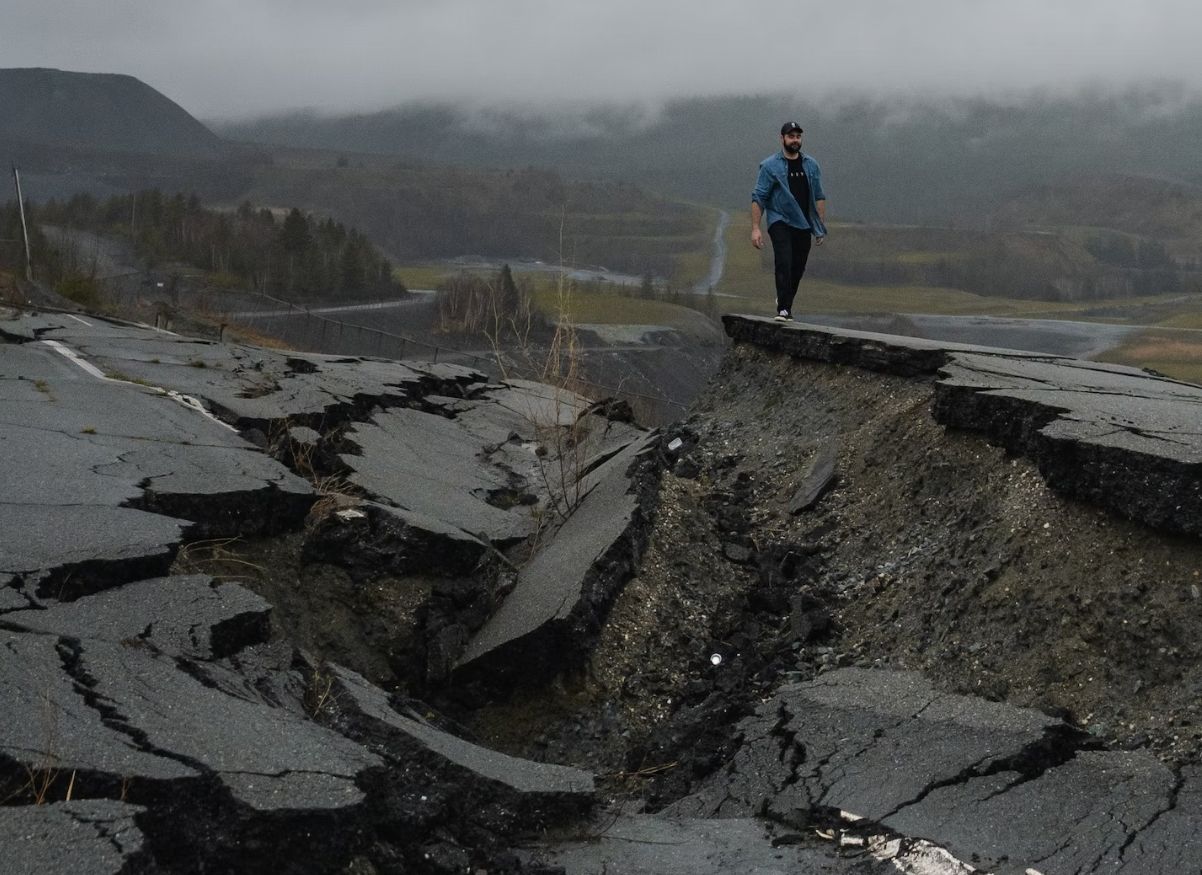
{"points": [[782, 257], [801, 242]]}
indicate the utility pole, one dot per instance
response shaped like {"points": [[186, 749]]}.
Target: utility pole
{"points": [[24, 227]]}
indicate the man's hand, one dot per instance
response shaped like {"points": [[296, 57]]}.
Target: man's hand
{"points": [[818, 241], [757, 238]]}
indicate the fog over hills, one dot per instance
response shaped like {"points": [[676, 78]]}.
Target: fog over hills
{"points": [[951, 161], [913, 160]]}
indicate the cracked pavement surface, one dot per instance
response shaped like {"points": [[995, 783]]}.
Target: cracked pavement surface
{"points": [[183, 722], [1011, 789], [185, 730]]}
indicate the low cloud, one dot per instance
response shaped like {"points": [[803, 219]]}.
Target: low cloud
{"points": [[227, 59]]}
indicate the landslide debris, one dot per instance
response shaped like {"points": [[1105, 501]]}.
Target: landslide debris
{"points": [[933, 551]]}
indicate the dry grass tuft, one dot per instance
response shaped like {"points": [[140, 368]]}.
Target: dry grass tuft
{"points": [[216, 559]]}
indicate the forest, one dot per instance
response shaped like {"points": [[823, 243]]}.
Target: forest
{"points": [[296, 254]]}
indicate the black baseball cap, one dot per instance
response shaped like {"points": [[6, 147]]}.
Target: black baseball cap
{"points": [[790, 127]]}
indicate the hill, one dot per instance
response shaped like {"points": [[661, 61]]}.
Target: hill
{"points": [[908, 161], [111, 135], [99, 111]]}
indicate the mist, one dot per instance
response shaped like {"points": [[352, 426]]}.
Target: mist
{"points": [[227, 60]]}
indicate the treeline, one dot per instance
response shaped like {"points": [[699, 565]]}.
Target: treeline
{"points": [[498, 307], [296, 256], [438, 212]]}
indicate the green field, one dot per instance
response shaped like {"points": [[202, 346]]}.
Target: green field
{"points": [[608, 308], [1176, 353], [421, 276]]}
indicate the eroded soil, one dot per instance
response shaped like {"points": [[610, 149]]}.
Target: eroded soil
{"points": [[934, 551]]}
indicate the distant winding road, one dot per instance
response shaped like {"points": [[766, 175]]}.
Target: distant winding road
{"points": [[718, 261]]}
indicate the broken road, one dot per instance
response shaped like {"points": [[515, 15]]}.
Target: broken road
{"points": [[885, 605]]}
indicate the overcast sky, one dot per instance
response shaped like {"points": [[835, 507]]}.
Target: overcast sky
{"points": [[236, 58]]}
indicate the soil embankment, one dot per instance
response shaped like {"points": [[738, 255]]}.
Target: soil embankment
{"points": [[933, 550]]}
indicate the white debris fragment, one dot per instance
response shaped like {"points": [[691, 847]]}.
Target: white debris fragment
{"points": [[909, 856], [349, 514], [675, 444], [716, 659]]}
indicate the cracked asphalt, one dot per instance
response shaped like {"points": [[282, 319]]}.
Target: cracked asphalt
{"points": [[320, 613]]}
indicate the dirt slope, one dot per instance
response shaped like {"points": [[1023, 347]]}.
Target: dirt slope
{"points": [[933, 551]]}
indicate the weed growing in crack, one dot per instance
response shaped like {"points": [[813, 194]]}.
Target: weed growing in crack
{"points": [[334, 492], [215, 559], [561, 447], [304, 459], [122, 377], [633, 778], [318, 692], [43, 772], [41, 779]]}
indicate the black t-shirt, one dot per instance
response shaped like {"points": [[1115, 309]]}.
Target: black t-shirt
{"points": [[799, 185]]}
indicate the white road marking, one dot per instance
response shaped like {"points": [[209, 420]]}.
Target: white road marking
{"points": [[194, 404], [77, 319], [179, 397], [73, 356]]}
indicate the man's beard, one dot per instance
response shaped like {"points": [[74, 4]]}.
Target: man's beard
{"points": [[792, 150]]}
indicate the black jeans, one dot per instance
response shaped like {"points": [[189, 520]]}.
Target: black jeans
{"points": [[790, 252]]}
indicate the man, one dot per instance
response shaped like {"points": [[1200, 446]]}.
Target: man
{"points": [[789, 191]]}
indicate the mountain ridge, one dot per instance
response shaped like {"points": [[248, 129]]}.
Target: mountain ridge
{"points": [[107, 111]]}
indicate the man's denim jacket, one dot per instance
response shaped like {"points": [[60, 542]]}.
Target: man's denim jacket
{"points": [[773, 195]]}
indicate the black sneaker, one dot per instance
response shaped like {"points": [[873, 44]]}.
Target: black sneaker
{"points": [[783, 316]]}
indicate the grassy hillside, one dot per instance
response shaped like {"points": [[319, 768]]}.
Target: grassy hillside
{"points": [[1175, 353]]}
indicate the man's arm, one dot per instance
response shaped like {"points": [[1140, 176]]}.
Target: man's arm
{"points": [[821, 206], [759, 197]]}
